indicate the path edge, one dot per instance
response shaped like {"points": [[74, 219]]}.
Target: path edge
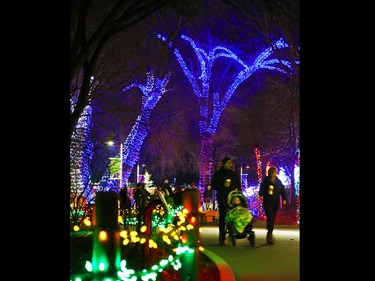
{"points": [[226, 273]]}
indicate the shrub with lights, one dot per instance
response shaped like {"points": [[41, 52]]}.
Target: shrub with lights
{"points": [[160, 243]]}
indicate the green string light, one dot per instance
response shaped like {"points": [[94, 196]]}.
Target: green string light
{"points": [[168, 233]]}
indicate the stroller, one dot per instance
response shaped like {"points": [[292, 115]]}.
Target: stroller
{"points": [[239, 221]]}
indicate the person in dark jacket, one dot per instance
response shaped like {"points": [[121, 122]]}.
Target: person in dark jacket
{"points": [[141, 199], [168, 192], [177, 197], [207, 197], [141, 196], [224, 181], [125, 203], [271, 189]]}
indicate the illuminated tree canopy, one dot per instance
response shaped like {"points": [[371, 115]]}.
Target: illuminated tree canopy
{"points": [[200, 82], [151, 94], [81, 151], [152, 91]]}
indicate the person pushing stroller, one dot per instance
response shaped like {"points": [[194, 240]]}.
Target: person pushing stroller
{"points": [[239, 220]]}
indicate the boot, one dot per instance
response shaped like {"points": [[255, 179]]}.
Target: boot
{"points": [[221, 237], [269, 238], [251, 238]]}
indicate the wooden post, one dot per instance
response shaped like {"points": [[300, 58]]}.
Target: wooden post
{"points": [[147, 221], [106, 255], [189, 261]]}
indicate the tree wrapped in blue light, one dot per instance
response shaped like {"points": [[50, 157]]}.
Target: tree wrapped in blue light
{"points": [[81, 151], [200, 83], [152, 91], [108, 184]]}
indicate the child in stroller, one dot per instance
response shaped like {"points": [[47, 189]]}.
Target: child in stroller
{"points": [[239, 220]]}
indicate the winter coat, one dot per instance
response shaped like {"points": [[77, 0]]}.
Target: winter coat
{"points": [[207, 194], [218, 184], [271, 192], [125, 202], [141, 197]]}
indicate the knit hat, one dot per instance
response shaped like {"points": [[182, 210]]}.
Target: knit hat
{"points": [[271, 170], [225, 160]]}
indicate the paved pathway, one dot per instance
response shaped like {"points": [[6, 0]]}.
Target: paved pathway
{"points": [[263, 262]]}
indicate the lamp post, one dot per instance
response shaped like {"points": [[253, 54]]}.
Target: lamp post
{"points": [[138, 173], [111, 143], [241, 170], [242, 174], [137, 180], [120, 165]]}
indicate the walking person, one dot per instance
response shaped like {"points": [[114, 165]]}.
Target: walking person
{"points": [[169, 194], [166, 190], [141, 198], [207, 197], [271, 189], [125, 204], [224, 181]]}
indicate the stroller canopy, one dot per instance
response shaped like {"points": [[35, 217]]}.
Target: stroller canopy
{"points": [[235, 193], [239, 215]]}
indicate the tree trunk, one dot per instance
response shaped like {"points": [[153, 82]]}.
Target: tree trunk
{"points": [[206, 157]]}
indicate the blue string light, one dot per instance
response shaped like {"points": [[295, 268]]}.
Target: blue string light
{"points": [[151, 94]]}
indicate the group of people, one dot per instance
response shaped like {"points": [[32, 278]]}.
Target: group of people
{"points": [[225, 180], [142, 197]]}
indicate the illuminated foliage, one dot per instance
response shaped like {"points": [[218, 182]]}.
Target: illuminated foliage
{"points": [[151, 94], [212, 104], [171, 237], [80, 159]]}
